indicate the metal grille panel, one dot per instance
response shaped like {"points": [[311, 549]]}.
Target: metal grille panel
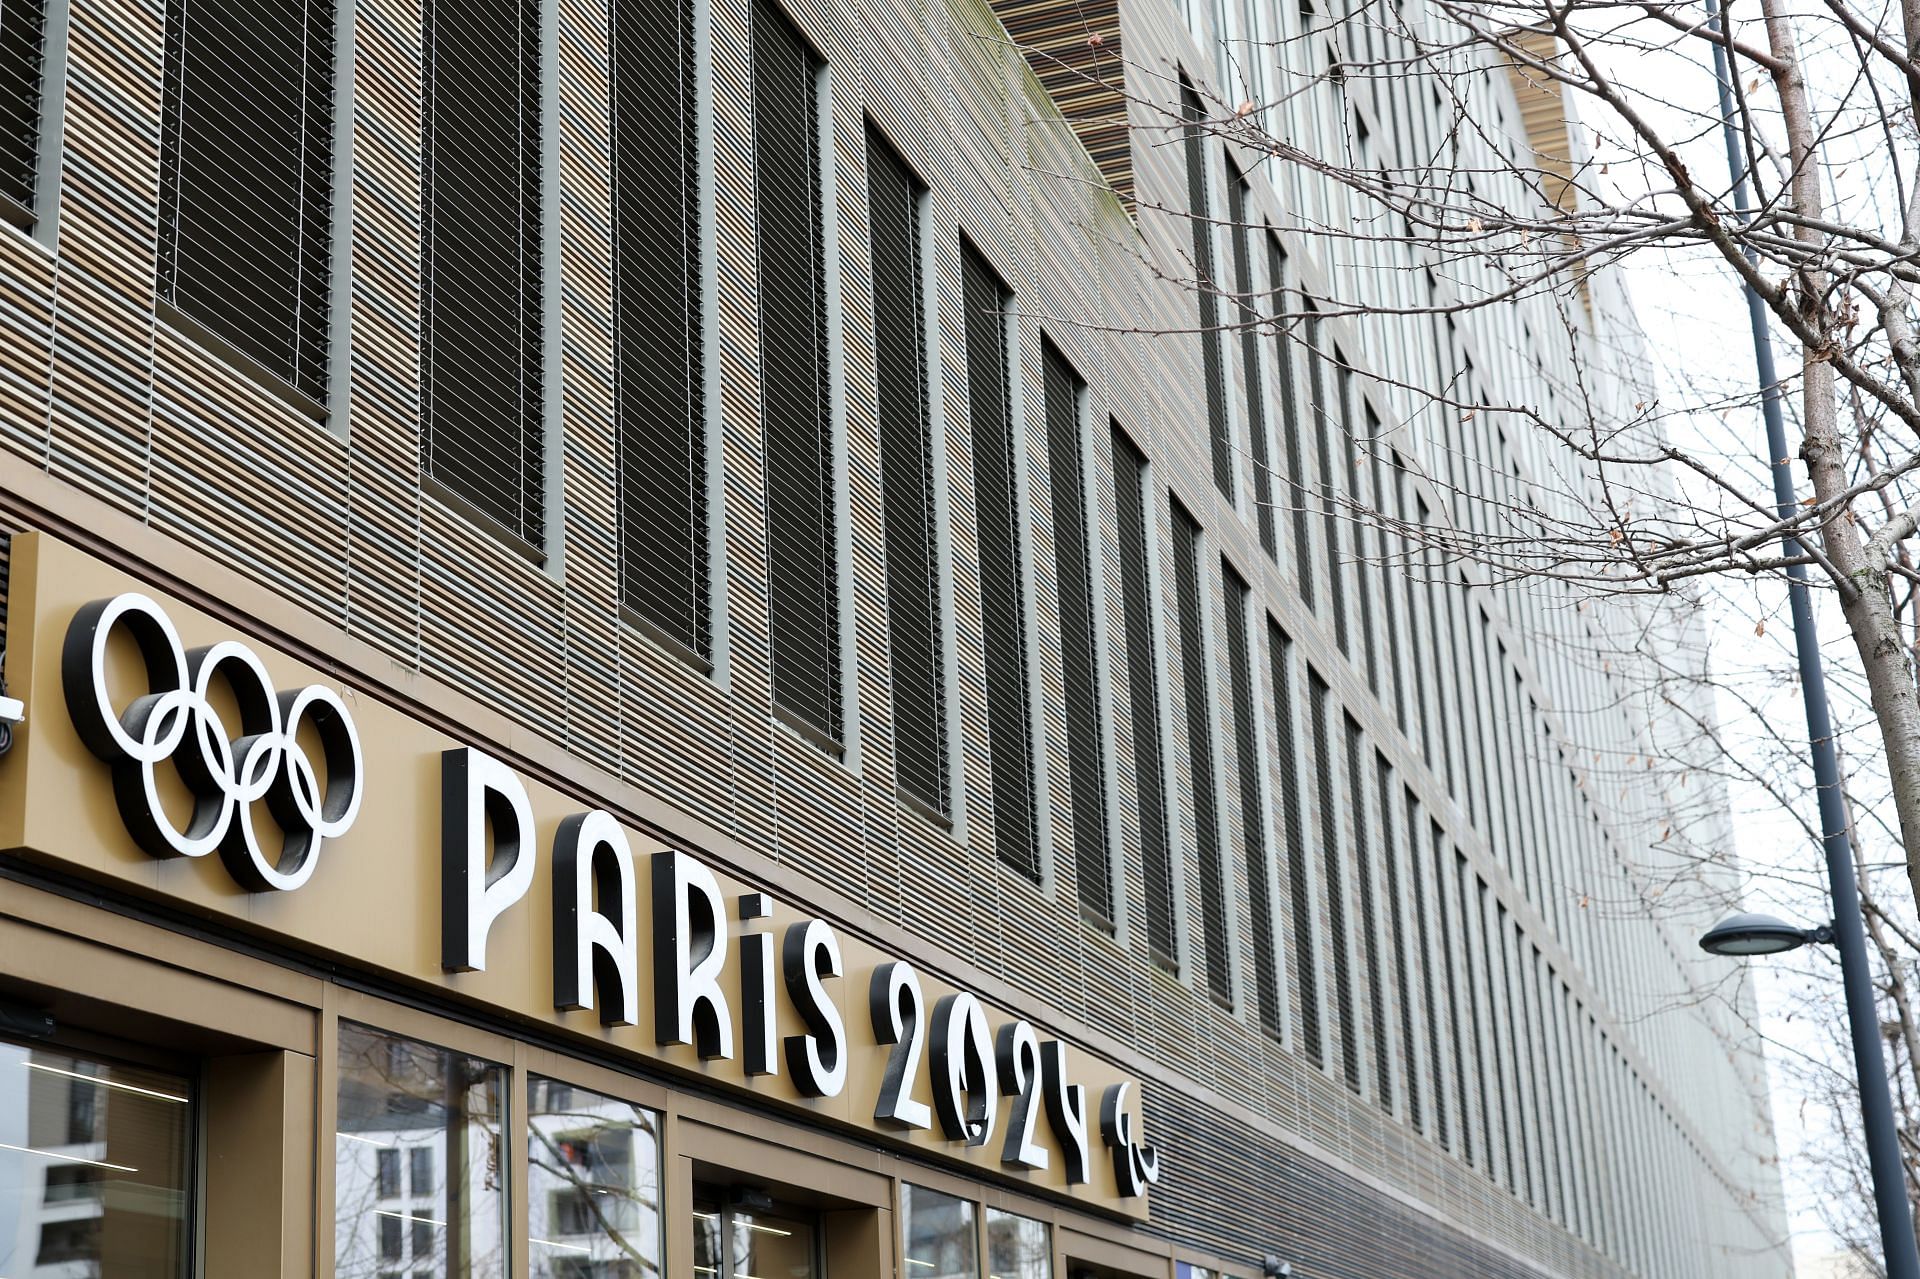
{"points": [[1306, 964], [1213, 354]]}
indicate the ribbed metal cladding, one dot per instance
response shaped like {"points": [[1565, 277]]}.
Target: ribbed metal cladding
{"points": [[1285, 1203], [1086, 732], [1293, 827], [660, 434], [1207, 284], [23, 26], [1130, 498], [1249, 321], [997, 514], [906, 470], [803, 584], [1284, 303], [483, 430], [1333, 880], [246, 181], [1392, 853], [1253, 824], [1206, 814], [1366, 869]]}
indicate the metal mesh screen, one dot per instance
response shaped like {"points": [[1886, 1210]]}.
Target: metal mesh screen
{"points": [[660, 433], [1253, 824], [22, 40], [906, 475], [1206, 816], [1086, 733], [480, 238], [803, 601], [997, 516], [246, 179], [1206, 278], [1136, 595]]}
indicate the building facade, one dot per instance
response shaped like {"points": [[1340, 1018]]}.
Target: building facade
{"points": [[665, 639]]}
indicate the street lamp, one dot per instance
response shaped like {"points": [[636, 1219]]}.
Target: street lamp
{"points": [[1750, 934]]}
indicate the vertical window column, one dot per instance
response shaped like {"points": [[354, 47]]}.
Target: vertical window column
{"points": [[1213, 353], [989, 338], [659, 400], [1131, 509], [1306, 965], [1325, 788], [906, 472], [1073, 570], [1253, 818], [246, 173], [480, 361], [803, 587], [1237, 192], [1199, 700], [1297, 485]]}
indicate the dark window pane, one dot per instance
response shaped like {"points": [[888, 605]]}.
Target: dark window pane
{"points": [[1086, 734], [997, 512], [660, 430], [1206, 817], [906, 475], [23, 29], [480, 240], [802, 557], [246, 177], [1253, 822], [1207, 283], [1136, 594]]}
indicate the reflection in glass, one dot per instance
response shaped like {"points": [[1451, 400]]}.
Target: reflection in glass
{"points": [[1018, 1247], [593, 1185], [941, 1240], [736, 1244], [93, 1168], [442, 1112]]}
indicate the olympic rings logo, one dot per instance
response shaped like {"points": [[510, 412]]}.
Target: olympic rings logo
{"points": [[227, 774]]}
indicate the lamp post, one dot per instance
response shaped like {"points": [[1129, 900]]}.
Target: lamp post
{"points": [[1848, 931]]}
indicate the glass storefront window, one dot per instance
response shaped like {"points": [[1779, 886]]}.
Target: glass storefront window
{"points": [[593, 1185], [739, 1243], [94, 1168], [1018, 1247], [420, 1174], [940, 1235]]}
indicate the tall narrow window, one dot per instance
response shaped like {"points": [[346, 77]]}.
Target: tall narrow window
{"points": [[1237, 193], [23, 30], [997, 512], [659, 433], [1213, 353], [246, 177], [480, 367], [1253, 822], [1324, 406], [906, 476], [1306, 967], [1392, 852], [1206, 817], [1429, 961], [1073, 569], [1365, 870], [1324, 787], [795, 404], [1285, 302], [1136, 594]]}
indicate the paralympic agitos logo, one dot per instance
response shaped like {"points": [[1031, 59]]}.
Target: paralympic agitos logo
{"points": [[244, 776]]}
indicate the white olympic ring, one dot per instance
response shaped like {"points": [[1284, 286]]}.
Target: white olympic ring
{"points": [[177, 722]]}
